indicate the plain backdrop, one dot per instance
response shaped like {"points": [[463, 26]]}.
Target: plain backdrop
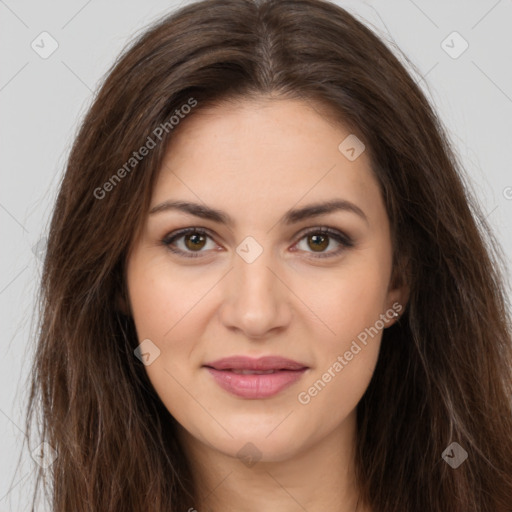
{"points": [[43, 100]]}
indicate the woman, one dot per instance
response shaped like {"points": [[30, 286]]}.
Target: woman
{"points": [[265, 286]]}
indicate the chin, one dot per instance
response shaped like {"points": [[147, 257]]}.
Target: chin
{"points": [[261, 444], [259, 449]]}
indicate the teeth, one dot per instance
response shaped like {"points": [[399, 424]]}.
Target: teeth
{"points": [[252, 372]]}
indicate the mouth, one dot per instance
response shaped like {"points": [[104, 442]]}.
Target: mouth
{"points": [[255, 378], [253, 372]]}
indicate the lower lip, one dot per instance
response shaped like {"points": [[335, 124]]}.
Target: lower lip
{"points": [[256, 385]]}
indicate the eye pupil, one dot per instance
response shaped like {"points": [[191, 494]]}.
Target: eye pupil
{"points": [[319, 246], [196, 239]]}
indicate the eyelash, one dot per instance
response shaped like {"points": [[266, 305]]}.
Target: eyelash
{"points": [[345, 241]]}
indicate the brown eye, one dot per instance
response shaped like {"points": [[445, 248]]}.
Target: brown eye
{"points": [[195, 241], [319, 239], [192, 241], [318, 242]]}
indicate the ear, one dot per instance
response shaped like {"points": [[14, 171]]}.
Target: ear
{"points": [[398, 293], [397, 300]]}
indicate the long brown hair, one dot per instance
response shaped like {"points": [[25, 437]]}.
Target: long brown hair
{"points": [[444, 370]]}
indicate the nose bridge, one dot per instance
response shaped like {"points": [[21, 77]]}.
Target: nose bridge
{"points": [[256, 282], [255, 278], [256, 301]]}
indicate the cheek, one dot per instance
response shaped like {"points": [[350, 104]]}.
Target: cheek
{"points": [[345, 360], [347, 341], [348, 301], [160, 301], [161, 297], [334, 391], [167, 309]]}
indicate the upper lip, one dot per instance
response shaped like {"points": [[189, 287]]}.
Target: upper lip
{"points": [[262, 363]]}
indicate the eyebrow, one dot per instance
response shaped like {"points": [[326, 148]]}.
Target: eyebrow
{"points": [[290, 217]]}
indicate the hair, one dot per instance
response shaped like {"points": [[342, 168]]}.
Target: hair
{"points": [[444, 369]]}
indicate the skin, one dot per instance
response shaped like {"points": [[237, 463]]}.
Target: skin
{"points": [[255, 160]]}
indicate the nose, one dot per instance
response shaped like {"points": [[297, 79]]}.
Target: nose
{"points": [[256, 299]]}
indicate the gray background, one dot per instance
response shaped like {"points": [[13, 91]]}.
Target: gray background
{"points": [[43, 100]]}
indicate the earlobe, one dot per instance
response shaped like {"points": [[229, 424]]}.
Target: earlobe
{"points": [[399, 292], [402, 297], [397, 302]]}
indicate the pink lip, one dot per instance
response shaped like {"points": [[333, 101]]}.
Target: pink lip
{"points": [[286, 372], [262, 363]]}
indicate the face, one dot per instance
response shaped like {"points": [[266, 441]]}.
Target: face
{"points": [[249, 271]]}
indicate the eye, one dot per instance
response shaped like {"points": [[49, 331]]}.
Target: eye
{"points": [[196, 239], [320, 238]]}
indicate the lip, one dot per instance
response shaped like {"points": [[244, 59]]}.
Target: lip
{"points": [[254, 386], [261, 363]]}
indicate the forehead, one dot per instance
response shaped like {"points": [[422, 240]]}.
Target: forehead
{"points": [[259, 156]]}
